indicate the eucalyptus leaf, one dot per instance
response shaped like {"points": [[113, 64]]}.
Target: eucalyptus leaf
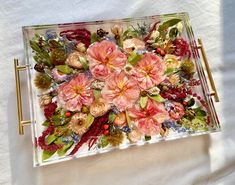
{"points": [[157, 98], [50, 139], [168, 24], [64, 69], [143, 101], [112, 116], [89, 120], [64, 149], [47, 154]]}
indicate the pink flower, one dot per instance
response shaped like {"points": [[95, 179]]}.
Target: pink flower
{"points": [[121, 90], [149, 71], [76, 93], [104, 57], [133, 44], [176, 111], [149, 120]]}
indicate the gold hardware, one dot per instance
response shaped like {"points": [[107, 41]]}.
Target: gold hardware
{"points": [[212, 83], [21, 122]]}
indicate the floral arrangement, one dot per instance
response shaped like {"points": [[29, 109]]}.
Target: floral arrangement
{"points": [[108, 87]]}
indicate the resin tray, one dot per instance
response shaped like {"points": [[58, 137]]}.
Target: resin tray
{"points": [[96, 86]]}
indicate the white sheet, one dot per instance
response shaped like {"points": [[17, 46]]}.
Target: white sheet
{"points": [[199, 160]]}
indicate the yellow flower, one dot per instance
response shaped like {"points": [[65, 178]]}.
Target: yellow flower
{"points": [[171, 61]]}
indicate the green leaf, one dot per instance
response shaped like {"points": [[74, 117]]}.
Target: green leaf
{"points": [[112, 116], [134, 58], [46, 123], [143, 101], [56, 119], [169, 71], [201, 113], [89, 120], [94, 38], [180, 27], [64, 149], [103, 141], [168, 24], [50, 139], [157, 98], [34, 46], [47, 154], [173, 33], [191, 102], [97, 94], [83, 61], [59, 141], [129, 33], [147, 138], [64, 69]]}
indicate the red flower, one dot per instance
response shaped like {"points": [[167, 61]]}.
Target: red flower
{"points": [[78, 35], [49, 110]]}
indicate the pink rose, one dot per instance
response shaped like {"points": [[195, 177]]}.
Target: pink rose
{"points": [[104, 57]]}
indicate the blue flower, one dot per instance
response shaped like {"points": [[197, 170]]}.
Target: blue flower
{"points": [[75, 137], [50, 35], [126, 129]]}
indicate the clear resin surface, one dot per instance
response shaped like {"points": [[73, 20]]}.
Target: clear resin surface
{"points": [[96, 86]]}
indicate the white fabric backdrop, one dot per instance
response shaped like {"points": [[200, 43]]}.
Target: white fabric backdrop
{"points": [[199, 160]]}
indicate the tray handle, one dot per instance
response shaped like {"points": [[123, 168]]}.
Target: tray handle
{"points": [[208, 70], [21, 121]]}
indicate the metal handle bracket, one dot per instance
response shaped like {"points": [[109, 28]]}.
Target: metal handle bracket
{"points": [[212, 83], [21, 122]]}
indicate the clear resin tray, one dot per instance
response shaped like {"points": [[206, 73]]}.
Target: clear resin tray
{"points": [[96, 86]]}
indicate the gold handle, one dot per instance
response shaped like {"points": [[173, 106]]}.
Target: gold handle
{"points": [[21, 122], [212, 83]]}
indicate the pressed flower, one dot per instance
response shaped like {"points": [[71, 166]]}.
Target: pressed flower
{"points": [[104, 57], [181, 48], [50, 109], [121, 90], [117, 30], [187, 66], [171, 61], [176, 110], [42, 81], [115, 138], [45, 100], [78, 36], [120, 119], [74, 58], [58, 56], [134, 135], [149, 119], [174, 79], [81, 47], [99, 107], [78, 123], [130, 45], [58, 76], [76, 93], [149, 71]]}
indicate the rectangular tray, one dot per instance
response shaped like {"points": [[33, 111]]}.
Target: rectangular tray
{"points": [[96, 86]]}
